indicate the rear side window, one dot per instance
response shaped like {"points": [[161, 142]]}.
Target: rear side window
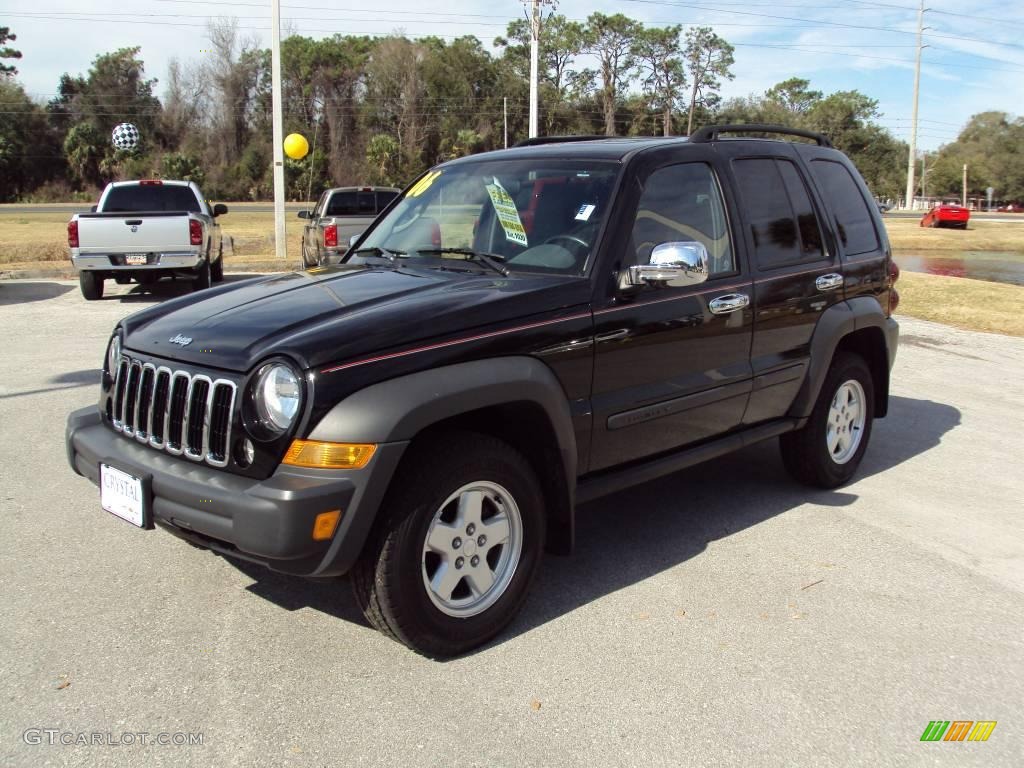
{"points": [[155, 197], [776, 204], [853, 217]]}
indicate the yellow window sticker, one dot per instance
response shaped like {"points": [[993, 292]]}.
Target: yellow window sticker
{"points": [[508, 216], [424, 184]]}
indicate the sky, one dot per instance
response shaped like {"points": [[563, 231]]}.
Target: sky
{"points": [[973, 58]]}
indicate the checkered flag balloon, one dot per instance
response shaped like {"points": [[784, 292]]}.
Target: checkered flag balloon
{"points": [[125, 136]]}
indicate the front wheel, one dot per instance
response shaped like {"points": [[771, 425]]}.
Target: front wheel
{"points": [[461, 538], [91, 284], [828, 450]]}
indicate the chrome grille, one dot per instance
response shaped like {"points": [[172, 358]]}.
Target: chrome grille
{"points": [[184, 414]]}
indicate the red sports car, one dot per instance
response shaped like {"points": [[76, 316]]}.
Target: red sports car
{"points": [[946, 215]]}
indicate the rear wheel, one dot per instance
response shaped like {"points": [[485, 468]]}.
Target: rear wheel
{"points": [[91, 284], [217, 268], [307, 260], [828, 450], [202, 279], [461, 538]]}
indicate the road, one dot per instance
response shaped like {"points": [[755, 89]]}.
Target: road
{"points": [[722, 616]]}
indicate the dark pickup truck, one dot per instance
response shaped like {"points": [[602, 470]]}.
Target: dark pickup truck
{"points": [[520, 332]]}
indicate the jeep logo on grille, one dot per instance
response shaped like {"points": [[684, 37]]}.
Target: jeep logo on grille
{"points": [[182, 340]]}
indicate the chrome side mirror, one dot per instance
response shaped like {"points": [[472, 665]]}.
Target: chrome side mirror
{"points": [[677, 264]]}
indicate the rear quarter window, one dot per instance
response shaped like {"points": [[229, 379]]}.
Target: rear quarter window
{"points": [[853, 219]]}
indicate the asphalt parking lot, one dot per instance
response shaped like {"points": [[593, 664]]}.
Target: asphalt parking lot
{"points": [[721, 616]]}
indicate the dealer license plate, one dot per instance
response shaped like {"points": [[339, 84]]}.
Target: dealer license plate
{"points": [[135, 258], [121, 495]]}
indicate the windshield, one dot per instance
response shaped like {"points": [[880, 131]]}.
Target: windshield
{"points": [[535, 215]]}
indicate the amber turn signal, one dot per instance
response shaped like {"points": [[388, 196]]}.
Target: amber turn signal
{"points": [[321, 455], [325, 525]]}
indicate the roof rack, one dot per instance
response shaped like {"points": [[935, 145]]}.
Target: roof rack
{"points": [[711, 132], [539, 140]]}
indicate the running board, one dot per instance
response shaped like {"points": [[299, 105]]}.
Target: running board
{"points": [[602, 485]]}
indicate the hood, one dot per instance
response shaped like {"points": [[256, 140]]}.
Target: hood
{"points": [[334, 314]]}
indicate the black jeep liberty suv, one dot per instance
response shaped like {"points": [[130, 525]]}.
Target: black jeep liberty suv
{"points": [[518, 332]]}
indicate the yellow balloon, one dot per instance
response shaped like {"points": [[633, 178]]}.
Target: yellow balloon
{"points": [[296, 146]]}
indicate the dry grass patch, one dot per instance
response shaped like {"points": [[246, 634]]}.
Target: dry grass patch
{"points": [[972, 304], [908, 236]]}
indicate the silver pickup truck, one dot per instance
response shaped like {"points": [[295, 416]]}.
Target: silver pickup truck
{"points": [[145, 230], [340, 213]]}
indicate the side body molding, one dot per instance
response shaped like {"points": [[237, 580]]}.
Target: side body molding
{"points": [[398, 409], [838, 321]]}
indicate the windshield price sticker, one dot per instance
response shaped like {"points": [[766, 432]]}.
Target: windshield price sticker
{"points": [[508, 216], [585, 212]]}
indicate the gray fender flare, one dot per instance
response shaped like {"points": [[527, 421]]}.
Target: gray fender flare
{"points": [[396, 410], [838, 321]]}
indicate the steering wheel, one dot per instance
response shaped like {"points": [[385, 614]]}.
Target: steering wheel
{"points": [[576, 241]]}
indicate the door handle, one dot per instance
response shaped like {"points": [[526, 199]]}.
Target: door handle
{"points": [[828, 282], [621, 333], [723, 305]]}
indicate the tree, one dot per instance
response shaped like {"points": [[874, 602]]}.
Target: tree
{"points": [[30, 154], [86, 109], [794, 95], [708, 59], [992, 147], [659, 54], [6, 52], [611, 39], [395, 96]]}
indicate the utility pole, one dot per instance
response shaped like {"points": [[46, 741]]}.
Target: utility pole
{"points": [[504, 110], [924, 177], [911, 160], [534, 63], [280, 244], [963, 196]]}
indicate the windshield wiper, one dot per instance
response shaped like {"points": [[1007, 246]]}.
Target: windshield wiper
{"points": [[382, 252], [490, 259]]}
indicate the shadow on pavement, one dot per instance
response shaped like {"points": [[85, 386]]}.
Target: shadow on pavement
{"points": [[90, 377], [24, 292], [637, 533]]}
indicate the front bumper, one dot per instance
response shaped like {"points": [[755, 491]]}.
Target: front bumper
{"points": [[115, 262], [265, 521]]}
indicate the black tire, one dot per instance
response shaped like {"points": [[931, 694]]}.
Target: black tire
{"points": [[202, 279], [805, 452], [91, 284], [306, 263], [388, 578], [217, 268]]}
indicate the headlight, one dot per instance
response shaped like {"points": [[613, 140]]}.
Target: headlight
{"points": [[114, 354], [277, 395]]}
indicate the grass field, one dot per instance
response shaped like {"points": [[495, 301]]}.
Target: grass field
{"points": [[908, 236], [35, 245], [973, 304]]}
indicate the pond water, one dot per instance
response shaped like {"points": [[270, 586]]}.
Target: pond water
{"points": [[993, 266]]}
